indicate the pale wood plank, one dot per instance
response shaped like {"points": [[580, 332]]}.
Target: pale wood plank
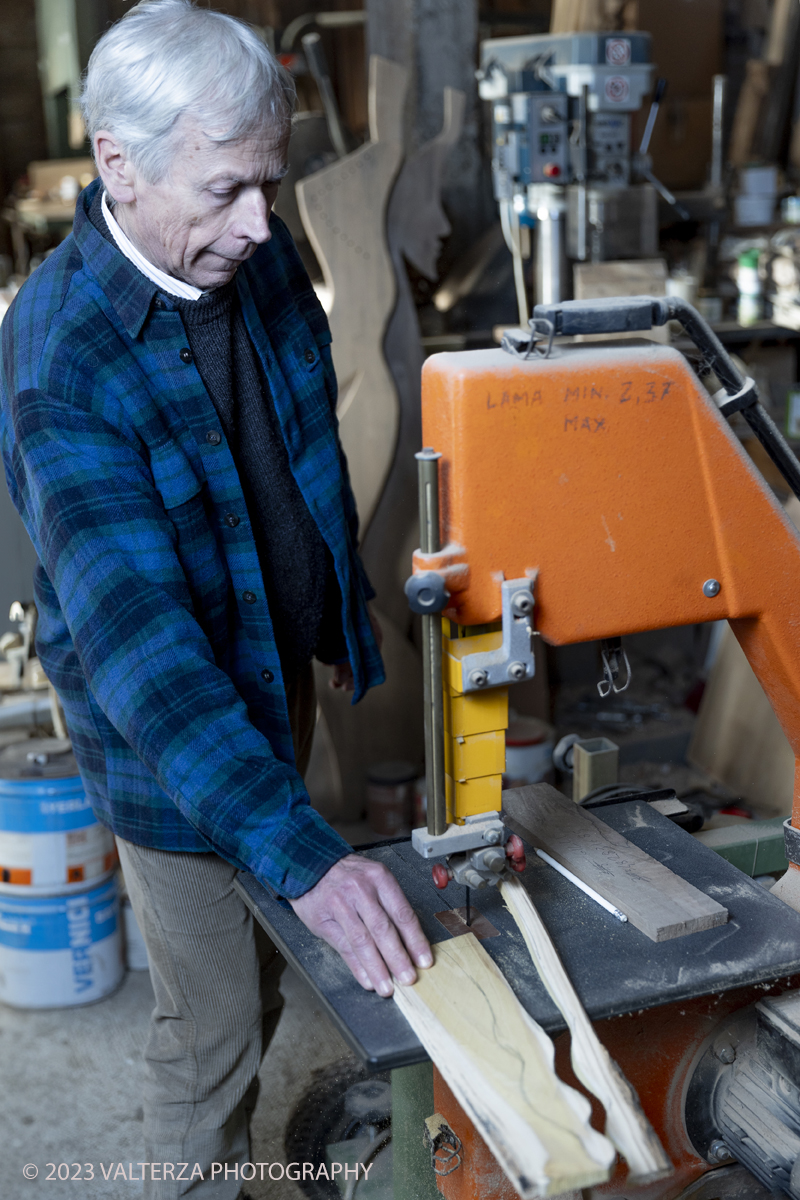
{"points": [[565, 16], [634, 277], [572, 16], [590, 16], [738, 739], [778, 41], [626, 1124], [748, 112], [499, 1064], [654, 899]]}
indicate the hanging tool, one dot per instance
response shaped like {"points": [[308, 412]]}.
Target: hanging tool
{"points": [[318, 66], [643, 162], [611, 652]]}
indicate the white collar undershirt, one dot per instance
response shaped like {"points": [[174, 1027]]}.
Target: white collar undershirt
{"points": [[166, 283]]}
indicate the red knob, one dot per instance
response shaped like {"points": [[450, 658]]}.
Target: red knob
{"points": [[515, 852], [441, 875], [551, 170]]}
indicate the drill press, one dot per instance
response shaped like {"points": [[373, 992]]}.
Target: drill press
{"points": [[563, 163]]}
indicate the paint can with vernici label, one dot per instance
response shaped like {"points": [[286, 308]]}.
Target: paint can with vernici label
{"points": [[50, 840], [60, 942], [61, 950]]}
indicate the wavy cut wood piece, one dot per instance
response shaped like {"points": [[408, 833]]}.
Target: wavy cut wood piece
{"points": [[499, 1064], [416, 226], [654, 899], [343, 209], [626, 1125]]}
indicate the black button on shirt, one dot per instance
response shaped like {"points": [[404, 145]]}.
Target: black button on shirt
{"points": [[249, 597], [232, 520], [267, 675], [185, 355], [300, 587]]}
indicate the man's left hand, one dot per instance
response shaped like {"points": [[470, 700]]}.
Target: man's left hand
{"points": [[358, 907]]}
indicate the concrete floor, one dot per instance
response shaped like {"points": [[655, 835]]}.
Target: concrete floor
{"points": [[72, 1079]]}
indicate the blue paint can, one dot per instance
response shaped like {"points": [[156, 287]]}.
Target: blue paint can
{"points": [[50, 840], [61, 950]]}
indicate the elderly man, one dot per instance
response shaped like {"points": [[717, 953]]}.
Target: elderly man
{"points": [[170, 441]]}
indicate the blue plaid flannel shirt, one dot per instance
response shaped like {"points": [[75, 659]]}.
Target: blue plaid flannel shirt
{"points": [[115, 459]]}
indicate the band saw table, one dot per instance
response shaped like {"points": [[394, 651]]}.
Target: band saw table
{"points": [[615, 968]]}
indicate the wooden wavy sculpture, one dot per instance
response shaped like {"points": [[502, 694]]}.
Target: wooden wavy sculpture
{"points": [[416, 226], [499, 1064], [343, 209], [626, 1124]]}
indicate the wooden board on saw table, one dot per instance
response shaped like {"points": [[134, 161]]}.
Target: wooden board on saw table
{"points": [[499, 1064], [653, 898]]}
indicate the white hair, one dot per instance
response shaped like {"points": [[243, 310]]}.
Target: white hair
{"points": [[166, 58]]}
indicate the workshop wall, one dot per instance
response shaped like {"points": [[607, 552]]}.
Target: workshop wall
{"points": [[22, 133], [436, 40], [688, 49], [344, 50]]}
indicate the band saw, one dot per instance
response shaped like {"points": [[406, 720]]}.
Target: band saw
{"points": [[576, 492]]}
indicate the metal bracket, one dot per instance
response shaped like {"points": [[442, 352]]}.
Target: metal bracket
{"points": [[484, 829], [744, 398], [479, 868], [513, 661], [540, 329], [611, 651], [444, 1145]]}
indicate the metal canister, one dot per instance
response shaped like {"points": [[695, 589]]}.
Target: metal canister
{"points": [[60, 950], [390, 797], [529, 751], [50, 840], [60, 939]]}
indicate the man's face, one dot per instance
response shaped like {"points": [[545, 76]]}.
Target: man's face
{"points": [[211, 210]]}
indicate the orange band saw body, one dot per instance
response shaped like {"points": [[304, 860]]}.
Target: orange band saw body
{"points": [[609, 472]]}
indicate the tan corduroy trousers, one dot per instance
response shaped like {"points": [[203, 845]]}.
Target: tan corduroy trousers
{"points": [[215, 975]]}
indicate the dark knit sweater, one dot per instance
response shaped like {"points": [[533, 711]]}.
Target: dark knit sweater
{"points": [[302, 591]]}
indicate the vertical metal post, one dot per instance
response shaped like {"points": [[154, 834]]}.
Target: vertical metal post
{"points": [[550, 247], [582, 171], [717, 175], [428, 475], [718, 117]]}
